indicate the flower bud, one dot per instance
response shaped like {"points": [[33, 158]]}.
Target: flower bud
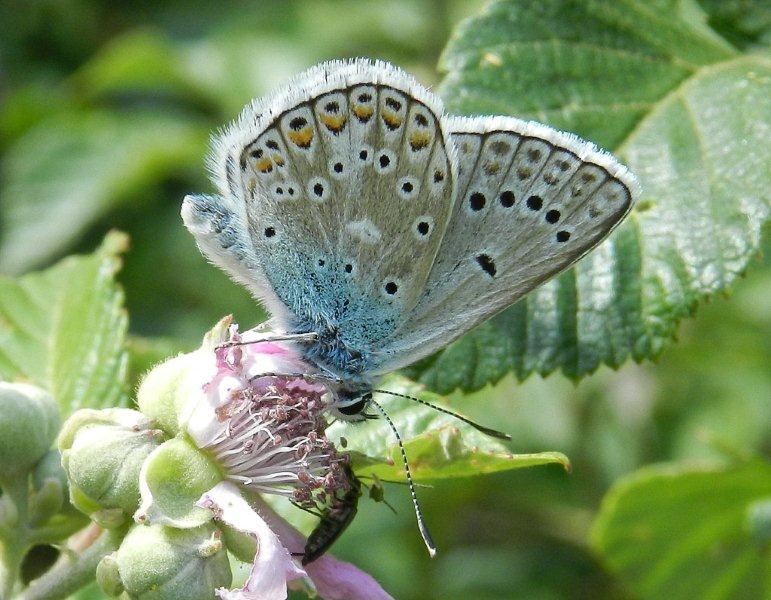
{"points": [[102, 454], [49, 488], [108, 576], [169, 564], [171, 386], [29, 420], [172, 480]]}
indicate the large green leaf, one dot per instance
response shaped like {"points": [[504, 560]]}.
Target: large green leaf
{"points": [[437, 445], [745, 23], [689, 532], [64, 329], [690, 116], [72, 168]]}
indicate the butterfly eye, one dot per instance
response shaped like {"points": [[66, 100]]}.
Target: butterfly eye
{"points": [[353, 409]]}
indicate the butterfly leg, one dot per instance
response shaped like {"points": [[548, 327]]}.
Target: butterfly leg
{"points": [[309, 377], [308, 510], [289, 337]]}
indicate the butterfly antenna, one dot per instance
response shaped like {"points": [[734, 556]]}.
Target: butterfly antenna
{"points": [[486, 430], [418, 513]]}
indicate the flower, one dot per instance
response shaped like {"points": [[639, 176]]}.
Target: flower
{"points": [[267, 433], [236, 433]]}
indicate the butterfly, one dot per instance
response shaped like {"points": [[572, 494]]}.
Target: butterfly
{"points": [[360, 213], [377, 229]]}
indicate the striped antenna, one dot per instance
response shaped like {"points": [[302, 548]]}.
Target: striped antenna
{"points": [[418, 513]]}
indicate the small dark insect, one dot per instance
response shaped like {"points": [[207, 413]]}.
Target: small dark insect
{"points": [[334, 521]]}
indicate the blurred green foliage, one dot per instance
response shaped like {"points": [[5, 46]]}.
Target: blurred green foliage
{"points": [[106, 108]]}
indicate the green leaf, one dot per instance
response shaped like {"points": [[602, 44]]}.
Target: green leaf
{"points": [[438, 445], [745, 23], [72, 168], [684, 532], [692, 120], [64, 329]]}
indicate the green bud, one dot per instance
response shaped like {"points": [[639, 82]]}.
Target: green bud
{"points": [[102, 454], [49, 468], [170, 386], [241, 545], [173, 479], [29, 420], [9, 514], [164, 563], [49, 488], [108, 576]]}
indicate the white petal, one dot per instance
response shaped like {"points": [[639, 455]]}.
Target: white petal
{"points": [[273, 566], [198, 417]]}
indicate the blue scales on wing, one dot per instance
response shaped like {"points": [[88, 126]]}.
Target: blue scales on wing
{"points": [[335, 192]]}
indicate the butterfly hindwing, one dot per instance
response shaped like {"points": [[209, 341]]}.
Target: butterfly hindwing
{"points": [[530, 202], [339, 186]]}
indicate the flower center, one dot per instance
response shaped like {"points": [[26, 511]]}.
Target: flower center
{"points": [[272, 437]]}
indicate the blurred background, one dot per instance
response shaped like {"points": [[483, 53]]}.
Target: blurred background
{"points": [[105, 113]]}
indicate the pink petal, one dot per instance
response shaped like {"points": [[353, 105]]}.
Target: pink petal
{"points": [[273, 566], [333, 579]]}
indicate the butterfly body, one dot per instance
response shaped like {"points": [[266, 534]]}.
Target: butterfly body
{"points": [[356, 210]]}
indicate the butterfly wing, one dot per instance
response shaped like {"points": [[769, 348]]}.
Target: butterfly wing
{"points": [[530, 202], [335, 193]]}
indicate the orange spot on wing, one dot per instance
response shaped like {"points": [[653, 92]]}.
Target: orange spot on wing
{"points": [[264, 165], [301, 138], [419, 140], [278, 159], [334, 123], [491, 168], [363, 113], [391, 120]]}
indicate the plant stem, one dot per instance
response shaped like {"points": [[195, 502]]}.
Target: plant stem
{"points": [[10, 562], [72, 571], [13, 542]]}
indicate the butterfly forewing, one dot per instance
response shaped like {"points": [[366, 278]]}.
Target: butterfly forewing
{"points": [[344, 181], [530, 202]]}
